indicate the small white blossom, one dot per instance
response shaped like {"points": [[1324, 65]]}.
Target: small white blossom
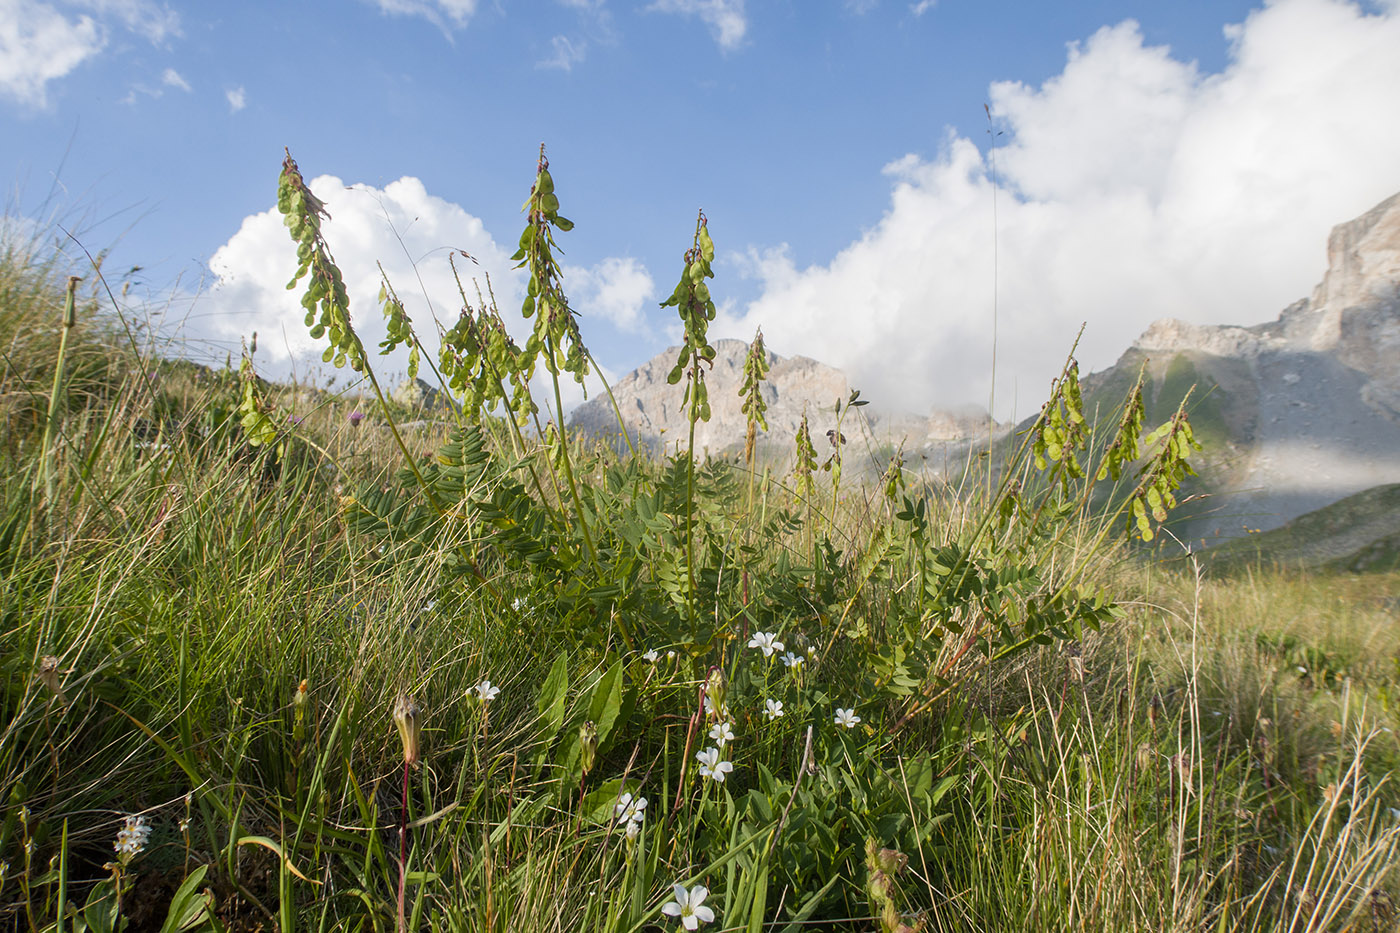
{"points": [[651, 656], [721, 734], [711, 766], [772, 708], [793, 661], [485, 692], [689, 906], [131, 838], [630, 809], [633, 830], [847, 718], [767, 642]]}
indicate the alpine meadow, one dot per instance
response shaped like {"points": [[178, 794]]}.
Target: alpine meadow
{"points": [[277, 657]]}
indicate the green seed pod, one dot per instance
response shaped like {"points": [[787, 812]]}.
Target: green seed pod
{"points": [[587, 745], [714, 690]]}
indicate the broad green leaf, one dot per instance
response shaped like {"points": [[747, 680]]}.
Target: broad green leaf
{"points": [[551, 703]]}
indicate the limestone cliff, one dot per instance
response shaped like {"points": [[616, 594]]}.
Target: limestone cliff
{"points": [[1298, 412]]}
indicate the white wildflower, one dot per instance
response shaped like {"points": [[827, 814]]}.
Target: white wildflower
{"points": [[767, 642], [131, 838], [793, 661], [630, 809], [711, 766], [847, 718], [689, 906], [485, 692], [772, 708], [721, 734]]}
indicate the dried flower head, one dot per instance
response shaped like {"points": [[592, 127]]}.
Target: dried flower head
{"points": [[48, 676], [406, 715]]}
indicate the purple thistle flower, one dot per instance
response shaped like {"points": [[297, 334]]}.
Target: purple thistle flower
{"points": [[356, 417]]}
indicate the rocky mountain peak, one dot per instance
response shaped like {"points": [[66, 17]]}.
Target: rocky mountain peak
{"points": [[654, 410], [1363, 260]]}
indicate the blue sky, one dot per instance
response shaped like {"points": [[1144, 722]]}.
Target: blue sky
{"points": [[1182, 159]]}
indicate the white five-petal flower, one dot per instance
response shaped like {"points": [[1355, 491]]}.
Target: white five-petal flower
{"points": [[711, 766], [721, 734], [652, 656], [847, 718], [772, 708], [689, 906], [485, 692], [630, 809], [767, 642], [793, 661]]}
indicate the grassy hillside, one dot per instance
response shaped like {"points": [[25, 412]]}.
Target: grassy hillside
{"points": [[1359, 533], [278, 661]]}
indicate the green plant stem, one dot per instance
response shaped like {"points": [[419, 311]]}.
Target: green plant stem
{"points": [[51, 429], [564, 457]]}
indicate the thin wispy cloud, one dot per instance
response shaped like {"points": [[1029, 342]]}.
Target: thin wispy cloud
{"points": [[155, 22], [172, 78], [237, 98], [922, 7], [564, 55], [444, 14], [43, 42], [725, 18]]}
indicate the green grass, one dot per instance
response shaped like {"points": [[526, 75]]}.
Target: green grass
{"points": [[1056, 732]]}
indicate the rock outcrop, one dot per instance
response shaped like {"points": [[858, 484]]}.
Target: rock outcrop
{"points": [[1304, 410]]}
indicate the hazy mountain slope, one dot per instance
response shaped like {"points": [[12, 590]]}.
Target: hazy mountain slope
{"points": [[1296, 413]]}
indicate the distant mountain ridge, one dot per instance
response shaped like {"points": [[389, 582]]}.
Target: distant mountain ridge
{"points": [[654, 413], [1295, 414]]}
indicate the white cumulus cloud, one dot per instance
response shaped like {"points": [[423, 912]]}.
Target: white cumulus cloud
{"points": [[616, 289], [411, 233], [237, 98], [38, 44], [726, 18], [252, 269], [1132, 186]]}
